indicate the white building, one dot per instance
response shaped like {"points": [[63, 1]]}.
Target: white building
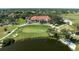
{"points": [[67, 21]]}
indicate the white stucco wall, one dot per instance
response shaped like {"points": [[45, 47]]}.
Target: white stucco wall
{"points": [[69, 22]]}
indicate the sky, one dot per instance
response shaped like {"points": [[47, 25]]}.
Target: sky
{"points": [[39, 3]]}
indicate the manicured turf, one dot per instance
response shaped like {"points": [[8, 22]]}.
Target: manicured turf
{"points": [[31, 31], [2, 33], [73, 17], [9, 28]]}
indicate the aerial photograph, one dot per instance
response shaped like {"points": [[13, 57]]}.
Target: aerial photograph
{"points": [[39, 29]]}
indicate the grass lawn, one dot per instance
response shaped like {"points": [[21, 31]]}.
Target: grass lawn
{"points": [[9, 28], [73, 17], [31, 31], [2, 33]]}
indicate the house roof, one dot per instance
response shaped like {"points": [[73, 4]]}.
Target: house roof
{"points": [[46, 18]]}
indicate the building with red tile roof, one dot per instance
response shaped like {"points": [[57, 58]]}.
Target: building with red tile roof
{"points": [[40, 18]]}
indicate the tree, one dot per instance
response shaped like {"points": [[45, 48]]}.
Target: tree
{"points": [[5, 29], [57, 20], [54, 33], [58, 33], [8, 41], [21, 21]]}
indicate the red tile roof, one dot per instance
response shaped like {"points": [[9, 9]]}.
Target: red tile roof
{"points": [[46, 18]]}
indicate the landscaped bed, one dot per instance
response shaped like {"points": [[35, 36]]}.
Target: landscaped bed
{"points": [[75, 19]]}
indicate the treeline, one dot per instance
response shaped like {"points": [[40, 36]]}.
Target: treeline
{"points": [[12, 15]]}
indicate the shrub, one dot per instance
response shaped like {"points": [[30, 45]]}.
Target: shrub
{"points": [[76, 26], [42, 22], [5, 29], [8, 41], [73, 40], [57, 20], [52, 32]]}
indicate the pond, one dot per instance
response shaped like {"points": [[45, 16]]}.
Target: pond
{"points": [[37, 44]]}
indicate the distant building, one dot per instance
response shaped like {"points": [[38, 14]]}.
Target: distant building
{"points": [[40, 18], [67, 21]]}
